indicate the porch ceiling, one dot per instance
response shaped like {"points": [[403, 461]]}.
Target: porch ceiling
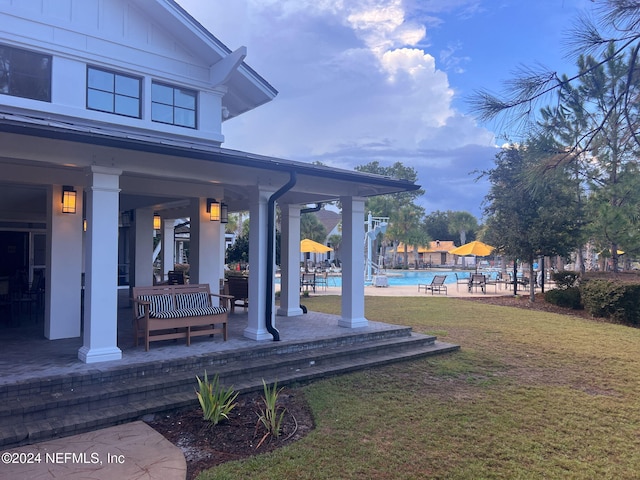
{"points": [[158, 170]]}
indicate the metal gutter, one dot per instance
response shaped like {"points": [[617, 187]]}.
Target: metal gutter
{"points": [[271, 234]]}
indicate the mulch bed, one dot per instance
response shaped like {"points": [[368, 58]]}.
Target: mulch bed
{"points": [[522, 300], [205, 445]]}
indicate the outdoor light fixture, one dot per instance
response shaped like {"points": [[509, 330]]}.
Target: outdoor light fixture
{"points": [[157, 221], [69, 199], [125, 219], [224, 213], [213, 209]]}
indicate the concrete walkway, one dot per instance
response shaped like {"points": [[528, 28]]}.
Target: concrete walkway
{"points": [[131, 450]]}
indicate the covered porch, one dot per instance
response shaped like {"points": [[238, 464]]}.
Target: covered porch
{"points": [[28, 356], [122, 181]]}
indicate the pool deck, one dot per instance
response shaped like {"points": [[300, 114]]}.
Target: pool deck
{"points": [[453, 290]]}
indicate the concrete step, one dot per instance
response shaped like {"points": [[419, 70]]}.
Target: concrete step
{"points": [[93, 404], [234, 371], [61, 383]]}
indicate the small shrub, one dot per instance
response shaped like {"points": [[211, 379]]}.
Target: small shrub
{"points": [[565, 279], [565, 297], [215, 401], [272, 414], [617, 301]]}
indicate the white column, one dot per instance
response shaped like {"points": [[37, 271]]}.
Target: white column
{"points": [[168, 246], [352, 250], [290, 261], [101, 276], [256, 328], [64, 268], [143, 244], [206, 247]]}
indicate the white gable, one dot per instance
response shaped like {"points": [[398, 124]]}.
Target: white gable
{"points": [[114, 31], [154, 39]]}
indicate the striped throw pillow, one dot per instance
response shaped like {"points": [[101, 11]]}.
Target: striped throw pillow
{"points": [[192, 300], [158, 303]]}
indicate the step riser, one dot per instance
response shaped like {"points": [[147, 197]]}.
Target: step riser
{"points": [[55, 427], [77, 403], [229, 376], [195, 364]]}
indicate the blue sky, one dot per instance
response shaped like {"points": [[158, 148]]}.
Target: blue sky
{"points": [[387, 80]]}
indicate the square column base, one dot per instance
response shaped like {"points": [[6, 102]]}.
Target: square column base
{"points": [[257, 334], [94, 355], [353, 322], [291, 312]]}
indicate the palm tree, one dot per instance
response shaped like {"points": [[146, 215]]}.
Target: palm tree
{"points": [[405, 226], [461, 223]]}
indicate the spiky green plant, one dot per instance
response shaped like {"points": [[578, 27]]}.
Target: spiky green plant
{"points": [[272, 415], [216, 402]]}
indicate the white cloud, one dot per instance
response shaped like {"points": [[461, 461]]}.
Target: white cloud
{"points": [[356, 83]]}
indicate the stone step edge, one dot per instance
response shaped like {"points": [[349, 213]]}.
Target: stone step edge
{"points": [[152, 367], [31, 432], [13, 407]]}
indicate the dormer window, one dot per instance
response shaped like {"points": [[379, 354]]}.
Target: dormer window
{"points": [[113, 92], [173, 105], [25, 74]]}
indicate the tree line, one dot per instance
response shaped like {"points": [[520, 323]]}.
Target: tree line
{"points": [[573, 178]]}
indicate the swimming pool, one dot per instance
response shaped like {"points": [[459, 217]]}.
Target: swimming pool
{"points": [[414, 277], [411, 277]]}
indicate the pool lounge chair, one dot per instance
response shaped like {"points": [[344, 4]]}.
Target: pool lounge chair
{"points": [[436, 285]]}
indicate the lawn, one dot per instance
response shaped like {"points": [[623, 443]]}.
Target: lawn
{"points": [[530, 395]]}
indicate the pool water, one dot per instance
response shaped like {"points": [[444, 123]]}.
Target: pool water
{"points": [[411, 277], [404, 278]]}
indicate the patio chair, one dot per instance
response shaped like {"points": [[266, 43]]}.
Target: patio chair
{"points": [[478, 280], [308, 281], [175, 278], [461, 280], [26, 300], [237, 286], [322, 280], [495, 281], [436, 285]]}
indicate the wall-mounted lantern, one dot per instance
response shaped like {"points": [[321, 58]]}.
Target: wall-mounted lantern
{"points": [[213, 209], [69, 199]]}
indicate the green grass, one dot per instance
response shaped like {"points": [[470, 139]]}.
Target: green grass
{"points": [[530, 395]]}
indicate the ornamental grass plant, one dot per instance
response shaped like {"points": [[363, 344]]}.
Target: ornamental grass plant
{"points": [[216, 401], [271, 414], [530, 395]]}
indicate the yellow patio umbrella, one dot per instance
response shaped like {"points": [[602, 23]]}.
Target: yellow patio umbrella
{"points": [[309, 246], [475, 248]]}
